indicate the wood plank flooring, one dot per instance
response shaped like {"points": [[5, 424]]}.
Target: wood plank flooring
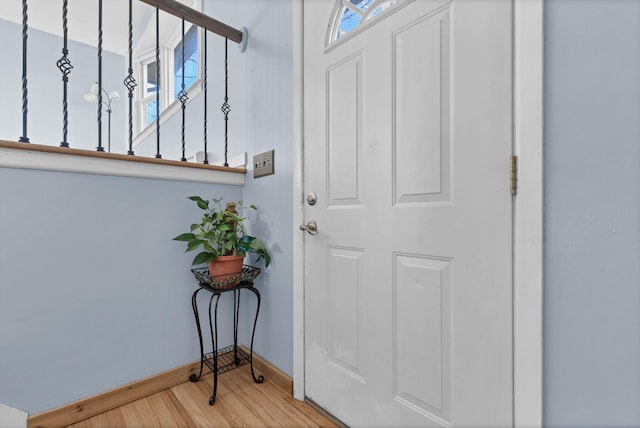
{"points": [[239, 403]]}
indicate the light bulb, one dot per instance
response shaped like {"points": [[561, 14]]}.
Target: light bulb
{"points": [[90, 97]]}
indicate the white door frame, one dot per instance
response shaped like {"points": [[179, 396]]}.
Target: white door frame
{"points": [[528, 210]]}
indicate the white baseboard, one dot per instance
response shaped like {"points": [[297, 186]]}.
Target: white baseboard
{"points": [[12, 418]]}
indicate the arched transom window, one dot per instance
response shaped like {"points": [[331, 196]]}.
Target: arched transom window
{"points": [[350, 14]]}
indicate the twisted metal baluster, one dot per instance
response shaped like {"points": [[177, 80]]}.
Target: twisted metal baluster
{"points": [[129, 81], [226, 108], [182, 95], [100, 148], [158, 155], [206, 156], [64, 65], [24, 138]]}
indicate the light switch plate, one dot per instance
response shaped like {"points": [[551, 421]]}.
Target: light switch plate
{"points": [[263, 164]]}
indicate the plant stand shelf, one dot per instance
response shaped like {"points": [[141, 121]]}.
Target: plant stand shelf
{"points": [[229, 358]]}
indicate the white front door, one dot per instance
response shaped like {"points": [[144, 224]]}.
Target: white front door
{"points": [[408, 282]]}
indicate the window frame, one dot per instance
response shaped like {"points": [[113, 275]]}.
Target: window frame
{"points": [[141, 98], [367, 19]]}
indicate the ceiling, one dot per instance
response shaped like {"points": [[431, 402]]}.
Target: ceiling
{"points": [[46, 15]]}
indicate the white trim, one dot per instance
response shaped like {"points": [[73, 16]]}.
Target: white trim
{"points": [[528, 220], [10, 417], [528, 213], [26, 159], [298, 200]]}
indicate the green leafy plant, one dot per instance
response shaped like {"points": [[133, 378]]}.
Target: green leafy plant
{"points": [[221, 232]]}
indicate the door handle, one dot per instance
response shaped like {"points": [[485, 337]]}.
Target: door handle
{"points": [[311, 227]]}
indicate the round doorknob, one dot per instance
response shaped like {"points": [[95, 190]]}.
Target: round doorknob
{"points": [[311, 227]]}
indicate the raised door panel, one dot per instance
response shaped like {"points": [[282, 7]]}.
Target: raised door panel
{"points": [[344, 131], [345, 295], [422, 334], [421, 103]]}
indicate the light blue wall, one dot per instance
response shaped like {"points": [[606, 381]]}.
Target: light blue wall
{"points": [[45, 91], [592, 213], [269, 120], [93, 292]]}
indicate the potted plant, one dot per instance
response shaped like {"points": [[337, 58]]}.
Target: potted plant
{"points": [[222, 237]]}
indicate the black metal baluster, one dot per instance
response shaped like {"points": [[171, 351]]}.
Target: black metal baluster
{"points": [[64, 65], [24, 138], [158, 155], [206, 156], [129, 81], [182, 95], [100, 148], [226, 108]]}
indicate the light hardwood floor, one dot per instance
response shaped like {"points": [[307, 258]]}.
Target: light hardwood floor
{"points": [[239, 403]]}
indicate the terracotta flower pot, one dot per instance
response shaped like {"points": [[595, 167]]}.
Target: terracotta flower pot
{"points": [[226, 271]]}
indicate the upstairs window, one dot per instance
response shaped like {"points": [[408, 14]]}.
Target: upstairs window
{"points": [[172, 68]]}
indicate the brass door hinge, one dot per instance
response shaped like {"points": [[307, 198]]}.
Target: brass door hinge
{"points": [[513, 180]]}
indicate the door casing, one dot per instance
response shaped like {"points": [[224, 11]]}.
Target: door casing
{"points": [[528, 124]]}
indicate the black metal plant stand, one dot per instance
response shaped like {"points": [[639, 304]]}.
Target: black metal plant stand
{"points": [[229, 358]]}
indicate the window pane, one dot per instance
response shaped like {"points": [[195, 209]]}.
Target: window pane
{"points": [[150, 112], [350, 19], [362, 4], [151, 78], [190, 65], [377, 11]]}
